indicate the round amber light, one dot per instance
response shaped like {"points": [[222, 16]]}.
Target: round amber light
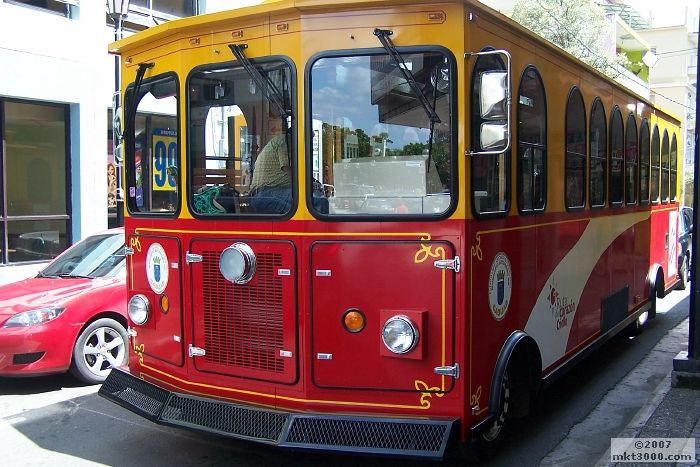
{"points": [[164, 303], [353, 320]]}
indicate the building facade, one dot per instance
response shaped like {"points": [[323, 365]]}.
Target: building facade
{"points": [[56, 87]]}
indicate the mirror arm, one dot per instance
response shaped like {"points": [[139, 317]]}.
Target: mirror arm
{"points": [[508, 101]]}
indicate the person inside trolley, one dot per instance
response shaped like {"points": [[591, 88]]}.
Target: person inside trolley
{"points": [[271, 186]]}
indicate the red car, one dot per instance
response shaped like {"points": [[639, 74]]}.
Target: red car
{"points": [[71, 316]]}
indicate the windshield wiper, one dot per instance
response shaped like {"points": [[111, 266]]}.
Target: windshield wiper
{"points": [[133, 103], [75, 276], [263, 82], [46, 276], [383, 36]]}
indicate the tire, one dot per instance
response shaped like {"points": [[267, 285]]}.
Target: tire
{"points": [[489, 440], [636, 327], [683, 274], [99, 347]]}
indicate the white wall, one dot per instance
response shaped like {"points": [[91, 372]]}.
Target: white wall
{"points": [[50, 58]]}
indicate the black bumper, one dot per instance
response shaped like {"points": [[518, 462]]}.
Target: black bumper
{"points": [[371, 435]]}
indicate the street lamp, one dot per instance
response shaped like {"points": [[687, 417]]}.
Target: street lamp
{"points": [[117, 10]]}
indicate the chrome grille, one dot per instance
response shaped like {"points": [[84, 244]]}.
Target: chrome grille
{"points": [[243, 322]]}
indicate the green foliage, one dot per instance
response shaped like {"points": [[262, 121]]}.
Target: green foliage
{"points": [[577, 26]]}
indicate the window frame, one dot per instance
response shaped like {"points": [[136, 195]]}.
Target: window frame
{"points": [[631, 183], [616, 116], [476, 120], [598, 112], [674, 168], [5, 218], [665, 169], [582, 156], [308, 117], [523, 146], [644, 161], [655, 188], [130, 149]]}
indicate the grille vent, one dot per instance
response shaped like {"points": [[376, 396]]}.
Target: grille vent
{"points": [[243, 323]]}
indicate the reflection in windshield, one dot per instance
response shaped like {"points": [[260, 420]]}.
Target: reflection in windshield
{"points": [[377, 148], [96, 256]]}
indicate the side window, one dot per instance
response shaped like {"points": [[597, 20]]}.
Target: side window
{"points": [[644, 162], [665, 170], [575, 150], [153, 149], [532, 142], [617, 157], [631, 155], [674, 168], [490, 174], [598, 162], [655, 166]]}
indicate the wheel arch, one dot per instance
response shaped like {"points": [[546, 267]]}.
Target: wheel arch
{"points": [[519, 348]]}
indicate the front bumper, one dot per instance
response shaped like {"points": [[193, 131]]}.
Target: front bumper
{"points": [[371, 435]]}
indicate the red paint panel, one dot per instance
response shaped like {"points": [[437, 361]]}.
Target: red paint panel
{"points": [[162, 335], [247, 330], [381, 279]]}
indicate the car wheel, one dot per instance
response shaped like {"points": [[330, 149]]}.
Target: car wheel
{"points": [[100, 347], [683, 274]]}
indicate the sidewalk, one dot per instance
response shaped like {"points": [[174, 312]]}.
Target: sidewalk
{"points": [[667, 412]]}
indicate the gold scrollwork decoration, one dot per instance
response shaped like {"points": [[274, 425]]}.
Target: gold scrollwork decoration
{"points": [[139, 350], [426, 251], [476, 397], [135, 243], [423, 387], [476, 249]]}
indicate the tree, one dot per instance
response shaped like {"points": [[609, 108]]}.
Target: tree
{"points": [[577, 26]]}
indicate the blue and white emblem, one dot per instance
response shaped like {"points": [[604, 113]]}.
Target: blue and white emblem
{"points": [[157, 268]]}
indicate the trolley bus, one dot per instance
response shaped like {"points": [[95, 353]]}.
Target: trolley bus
{"points": [[378, 226]]}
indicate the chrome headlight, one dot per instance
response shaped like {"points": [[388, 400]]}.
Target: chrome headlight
{"points": [[33, 317], [237, 263], [139, 309], [399, 334]]}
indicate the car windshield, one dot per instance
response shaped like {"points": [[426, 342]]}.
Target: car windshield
{"points": [[96, 256]]}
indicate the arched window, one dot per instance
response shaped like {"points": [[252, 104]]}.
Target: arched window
{"points": [[665, 170], [631, 155], [490, 174], [655, 166], [617, 157], [644, 162], [674, 168], [598, 161], [575, 187], [532, 142]]}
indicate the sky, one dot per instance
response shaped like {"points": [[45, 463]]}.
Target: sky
{"points": [[668, 12]]}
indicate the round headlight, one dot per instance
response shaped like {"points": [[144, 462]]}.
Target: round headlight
{"points": [[399, 334], [237, 263], [139, 309]]}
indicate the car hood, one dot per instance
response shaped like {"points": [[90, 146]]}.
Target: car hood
{"points": [[37, 292]]}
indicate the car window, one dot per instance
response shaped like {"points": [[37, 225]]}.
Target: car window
{"points": [[96, 256]]}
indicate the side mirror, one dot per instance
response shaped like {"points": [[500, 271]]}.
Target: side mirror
{"points": [[494, 95], [494, 107]]}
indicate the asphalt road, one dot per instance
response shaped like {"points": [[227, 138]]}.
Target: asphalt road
{"points": [[55, 421]]}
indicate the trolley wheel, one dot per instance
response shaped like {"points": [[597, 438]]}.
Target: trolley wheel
{"points": [[683, 274], [489, 440], [101, 346]]}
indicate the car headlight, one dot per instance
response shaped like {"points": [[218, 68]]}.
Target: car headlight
{"points": [[399, 334], [33, 317], [139, 309], [237, 263]]}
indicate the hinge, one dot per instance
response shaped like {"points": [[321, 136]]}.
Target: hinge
{"points": [[196, 351], [448, 370], [454, 264], [128, 251], [193, 258]]}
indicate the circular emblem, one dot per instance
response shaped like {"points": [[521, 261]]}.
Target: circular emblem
{"points": [[157, 268], [500, 286]]}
